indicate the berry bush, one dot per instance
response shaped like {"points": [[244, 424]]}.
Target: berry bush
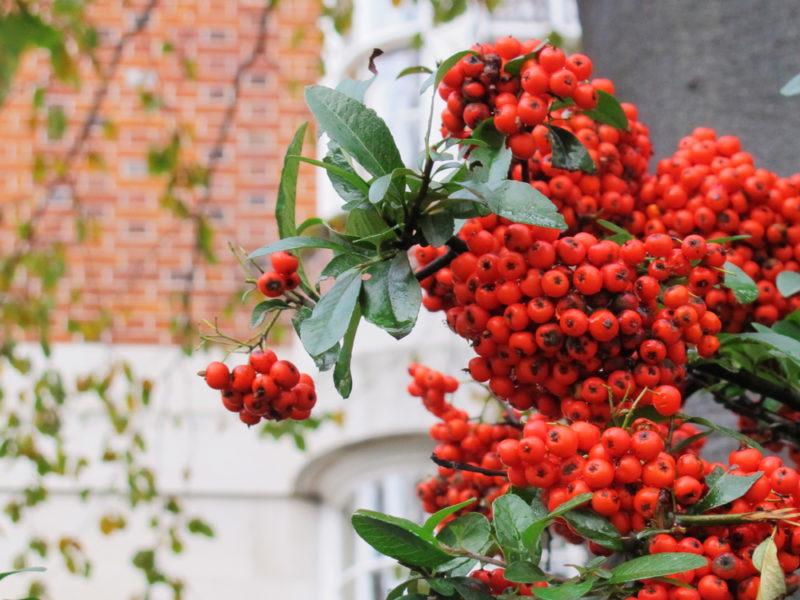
{"points": [[596, 295]]}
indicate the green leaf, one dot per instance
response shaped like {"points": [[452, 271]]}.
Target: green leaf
{"points": [[379, 187], [298, 242], [727, 488], [521, 203], [469, 532], [470, 588], [354, 88], [621, 235], [729, 238], [368, 225], [739, 282], [609, 111], [341, 173], [342, 377], [788, 283], [514, 66], [392, 296], [287, 189], [399, 539], [261, 309], [331, 316], [413, 71], [200, 527], [773, 581], [568, 151], [511, 516], [437, 228], [732, 433], [56, 122], [524, 571], [345, 181], [433, 521], [596, 528], [25, 570], [656, 565], [447, 64], [791, 88], [565, 591], [357, 129], [339, 264], [570, 504], [397, 592]]}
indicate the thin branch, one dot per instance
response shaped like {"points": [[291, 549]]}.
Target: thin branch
{"points": [[455, 246], [459, 466], [751, 382], [490, 560]]}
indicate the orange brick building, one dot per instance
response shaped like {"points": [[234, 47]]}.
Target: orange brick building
{"points": [[175, 75]]}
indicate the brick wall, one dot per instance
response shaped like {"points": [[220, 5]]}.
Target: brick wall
{"points": [[135, 263]]}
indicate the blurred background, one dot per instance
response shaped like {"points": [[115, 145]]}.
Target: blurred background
{"points": [[140, 140]]}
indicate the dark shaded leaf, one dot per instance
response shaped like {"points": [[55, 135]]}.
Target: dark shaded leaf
{"points": [[565, 591], [287, 188], [437, 228], [330, 318], [596, 528], [342, 377], [523, 571], [609, 111], [727, 488], [568, 151], [433, 521], [261, 309]]}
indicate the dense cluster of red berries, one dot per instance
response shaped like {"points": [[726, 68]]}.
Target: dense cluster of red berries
{"points": [[282, 278], [551, 88], [460, 440], [574, 324], [264, 388], [712, 187]]}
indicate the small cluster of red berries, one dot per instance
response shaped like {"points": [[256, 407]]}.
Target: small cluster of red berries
{"points": [[282, 278], [712, 187], [495, 580], [550, 88], [461, 440], [561, 324], [264, 388]]}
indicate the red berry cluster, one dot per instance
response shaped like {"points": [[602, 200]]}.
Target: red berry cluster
{"points": [[265, 388], [282, 278], [562, 324], [460, 440], [495, 580], [550, 88], [710, 186]]}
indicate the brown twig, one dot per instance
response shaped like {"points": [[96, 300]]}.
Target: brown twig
{"points": [[459, 466]]}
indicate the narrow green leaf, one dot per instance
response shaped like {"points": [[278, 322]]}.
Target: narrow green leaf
{"points": [[524, 571], [565, 591], [342, 377], [773, 580], [398, 538], [609, 111], [788, 283], [343, 177], [791, 87], [261, 310], [413, 71], [341, 173], [330, 318], [25, 570], [447, 64], [470, 588], [596, 528], [357, 129], [570, 504], [729, 238], [656, 565], [520, 202], [433, 521], [732, 433], [621, 235], [726, 489], [739, 282], [287, 188], [297, 243], [568, 151], [514, 66]]}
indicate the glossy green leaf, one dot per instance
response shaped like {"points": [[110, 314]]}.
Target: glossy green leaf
{"points": [[392, 297], [727, 488], [524, 571], [398, 538], [264, 307], [331, 316], [791, 87], [609, 111], [297, 243], [740, 283], [570, 505], [433, 521], [357, 129], [788, 283], [568, 151], [472, 532], [565, 591], [413, 71], [521, 203], [345, 181], [342, 173], [342, 377], [367, 224], [447, 64], [511, 517], [25, 570], [469, 588], [287, 188], [514, 66], [621, 235], [355, 88], [656, 565], [596, 528], [437, 228]]}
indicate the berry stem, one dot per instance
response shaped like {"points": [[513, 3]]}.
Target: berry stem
{"points": [[459, 466], [455, 246]]}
